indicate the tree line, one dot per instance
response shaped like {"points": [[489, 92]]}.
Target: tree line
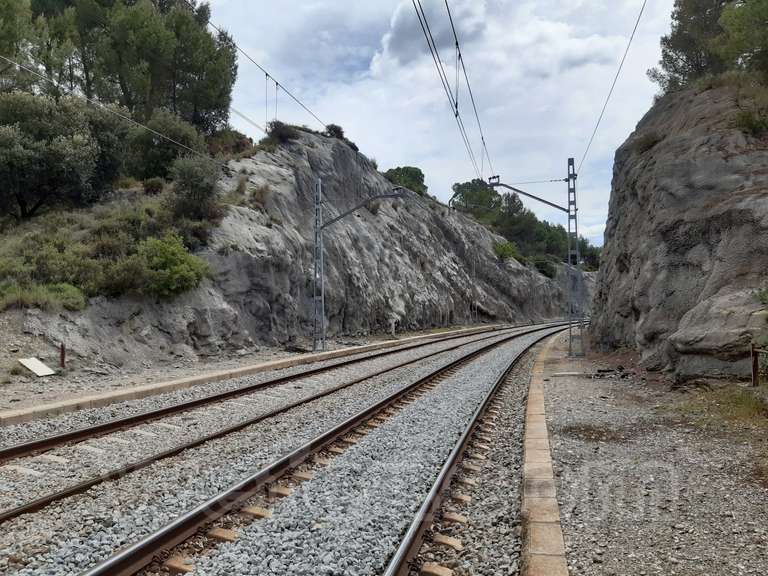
{"points": [[140, 54], [530, 239], [709, 37]]}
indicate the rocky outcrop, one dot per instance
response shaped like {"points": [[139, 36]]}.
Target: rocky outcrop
{"points": [[686, 242], [411, 261]]}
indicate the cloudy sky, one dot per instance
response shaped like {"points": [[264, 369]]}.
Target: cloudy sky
{"points": [[540, 71]]}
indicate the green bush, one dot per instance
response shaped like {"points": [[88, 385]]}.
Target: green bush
{"points": [[334, 131], [154, 186], [229, 143], [506, 250], [169, 268], [409, 177], [63, 153], [281, 133], [751, 122], [546, 267], [195, 189], [150, 156]]}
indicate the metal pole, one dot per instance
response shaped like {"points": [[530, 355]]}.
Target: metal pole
{"points": [[575, 328], [322, 266], [317, 270]]}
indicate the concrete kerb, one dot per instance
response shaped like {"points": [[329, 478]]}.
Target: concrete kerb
{"points": [[31, 413], [543, 543]]}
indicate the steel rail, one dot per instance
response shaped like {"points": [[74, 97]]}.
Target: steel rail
{"points": [[400, 563], [80, 487], [42, 444], [131, 560]]}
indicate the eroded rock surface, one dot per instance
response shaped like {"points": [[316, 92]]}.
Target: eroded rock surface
{"points": [[412, 261], [686, 243]]}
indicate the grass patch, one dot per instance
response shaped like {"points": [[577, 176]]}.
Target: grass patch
{"points": [[730, 403], [46, 296]]}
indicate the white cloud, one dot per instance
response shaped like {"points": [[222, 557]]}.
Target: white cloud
{"points": [[540, 71]]}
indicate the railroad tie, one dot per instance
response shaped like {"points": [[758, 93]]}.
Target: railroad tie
{"points": [[449, 541], [454, 518], [222, 534], [279, 491], [178, 565], [461, 498], [433, 569], [302, 475], [256, 512]]}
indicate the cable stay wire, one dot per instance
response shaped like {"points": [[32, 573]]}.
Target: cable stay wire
{"points": [[539, 181], [460, 60], [106, 108], [425, 28], [613, 86], [260, 67]]}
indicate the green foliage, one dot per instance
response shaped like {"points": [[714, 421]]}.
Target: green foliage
{"points": [[751, 122], [335, 131], [167, 266], [744, 42], [408, 176], [546, 267], [507, 250], [280, 133], [154, 186], [229, 143], [54, 153], [507, 216], [195, 189], [46, 297], [688, 51], [109, 250], [142, 54], [150, 156]]}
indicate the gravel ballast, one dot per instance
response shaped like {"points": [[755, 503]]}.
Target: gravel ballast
{"points": [[491, 539], [349, 519], [645, 485], [97, 456], [71, 535]]}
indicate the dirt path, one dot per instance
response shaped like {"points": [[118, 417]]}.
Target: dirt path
{"points": [[656, 481]]}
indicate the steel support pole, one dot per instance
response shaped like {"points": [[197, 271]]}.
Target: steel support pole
{"points": [[573, 270], [318, 278]]}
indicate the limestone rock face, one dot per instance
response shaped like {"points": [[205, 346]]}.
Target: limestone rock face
{"points": [[686, 243], [412, 261]]}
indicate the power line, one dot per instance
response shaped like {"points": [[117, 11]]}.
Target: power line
{"points": [[610, 92], [260, 67], [425, 28], [460, 60]]}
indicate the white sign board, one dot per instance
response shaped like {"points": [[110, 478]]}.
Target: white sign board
{"points": [[36, 366]]}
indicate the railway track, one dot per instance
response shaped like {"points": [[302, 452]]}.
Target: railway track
{"points": [[54, 491], [245, 503], [38, 445]]}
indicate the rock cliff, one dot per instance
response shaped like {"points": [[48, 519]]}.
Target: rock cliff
{"points": [[686, 242], [412, 261]]}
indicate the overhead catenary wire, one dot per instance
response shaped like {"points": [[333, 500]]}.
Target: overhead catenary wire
{"points": [[260, 67], [460, 60], [613, 86], [424, 23]]}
